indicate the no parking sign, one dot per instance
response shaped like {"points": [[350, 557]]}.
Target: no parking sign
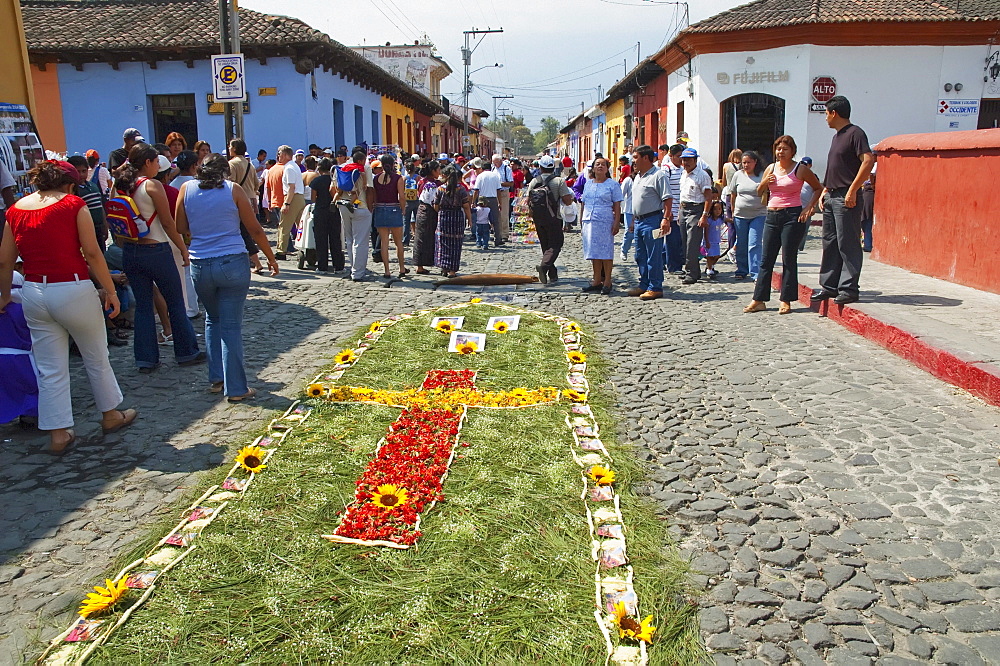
{"points": [[227, 78]]}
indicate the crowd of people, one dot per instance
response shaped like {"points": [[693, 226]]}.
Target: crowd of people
{"points": [[103, 251]]}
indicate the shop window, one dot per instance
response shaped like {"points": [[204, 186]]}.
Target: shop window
{"points": [[174, 113], [751, 122], [338, 122], [989, 114]]}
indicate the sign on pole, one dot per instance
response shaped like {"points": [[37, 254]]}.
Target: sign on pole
{"points": [[824, 88], [228, 82]]}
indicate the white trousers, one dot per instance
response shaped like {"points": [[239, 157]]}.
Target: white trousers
{"points": [[357, 225], [55, 312], [187, 283], [503, 196]]}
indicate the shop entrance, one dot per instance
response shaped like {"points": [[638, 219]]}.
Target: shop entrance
{"points": [[174, 113], [751, 122]]}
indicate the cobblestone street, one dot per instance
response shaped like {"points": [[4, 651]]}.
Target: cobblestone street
{"points": [[839, 504]]}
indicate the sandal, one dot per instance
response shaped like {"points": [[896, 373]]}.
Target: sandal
{"points": [[128, 416], [423, 271], [403, 272], [216, 387], [784, 308], [165, 339], [53, 450], [755, 306], [249, 395]]}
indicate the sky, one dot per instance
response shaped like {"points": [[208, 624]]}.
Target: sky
{"points": [[554, 54]]}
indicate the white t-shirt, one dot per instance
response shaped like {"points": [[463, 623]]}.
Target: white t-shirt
{"points": [[693, 186], [488, 182], [292, 176]]}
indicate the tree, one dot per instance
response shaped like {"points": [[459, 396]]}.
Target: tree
{"points": [[548, 133], [521, 139]]}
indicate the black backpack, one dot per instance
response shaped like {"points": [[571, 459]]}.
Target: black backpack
{"points": [[540, 202]]}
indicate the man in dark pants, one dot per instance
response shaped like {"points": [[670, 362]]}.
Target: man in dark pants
{"points": [[548, 224], [676, 241], [847, 168], [696, 202]]}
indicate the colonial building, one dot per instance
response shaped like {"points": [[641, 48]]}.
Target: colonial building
{"points": [[100, 66]]}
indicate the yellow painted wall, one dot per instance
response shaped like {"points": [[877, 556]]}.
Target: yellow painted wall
{"points": [[48, 110], [15, 82], [396, 111], [615, 130]]}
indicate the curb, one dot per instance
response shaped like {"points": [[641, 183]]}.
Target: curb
{"points": [[979, 378]]}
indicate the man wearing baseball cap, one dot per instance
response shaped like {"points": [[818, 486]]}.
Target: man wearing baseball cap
{"points": [[696, 202], [119, 156]]}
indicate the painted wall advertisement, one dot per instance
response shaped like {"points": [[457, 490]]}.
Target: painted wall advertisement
{"points": [[20, 147], [412, 65]]}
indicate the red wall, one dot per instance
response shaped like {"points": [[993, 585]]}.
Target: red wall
{"points": [[936, 206], [652, 103]]}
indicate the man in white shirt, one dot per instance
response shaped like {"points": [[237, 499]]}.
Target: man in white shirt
{"points": [[676, 242], [485, 189], [506, 175], [696, 203], [260, 164], [295, 201]]}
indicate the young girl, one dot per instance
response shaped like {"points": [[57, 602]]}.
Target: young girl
{"points": [[717, 223], [482, 230]]}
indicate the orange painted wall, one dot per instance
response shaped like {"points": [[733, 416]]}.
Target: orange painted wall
{"points": [[48, 108], [935, 205]]}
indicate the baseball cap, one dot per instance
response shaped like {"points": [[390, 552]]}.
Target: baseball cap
{"points": [[164, 164], [689, 152], [546, 162], [132, 133], [92, 153], [808, 161], [300, 152], [461, 159]]}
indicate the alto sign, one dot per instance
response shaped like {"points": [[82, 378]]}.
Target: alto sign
{"points": [[824, 88]]}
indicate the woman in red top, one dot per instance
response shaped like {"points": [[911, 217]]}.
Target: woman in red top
{"points": [[54, 234]]}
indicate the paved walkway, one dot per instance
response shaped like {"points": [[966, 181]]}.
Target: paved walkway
{"points": [[839, 503]]}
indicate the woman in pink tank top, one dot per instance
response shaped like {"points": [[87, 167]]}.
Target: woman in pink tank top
{"points": [[785, 224]]}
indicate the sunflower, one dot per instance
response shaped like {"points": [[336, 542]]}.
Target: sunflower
{"points": [[475, 300], [375, 327], [389, 496], [601, 475], [501, 327], [574, 396], [445, 326], [346, 356], [103, 598], [315, 390], [573, 327], [576, 357], [467, 348], [629, 628], [251, 458]]}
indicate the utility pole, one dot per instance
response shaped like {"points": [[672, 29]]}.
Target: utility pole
{"points": [[467, 62], [495, 98], [229, 41]]}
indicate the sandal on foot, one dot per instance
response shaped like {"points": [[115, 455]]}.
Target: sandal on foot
{"points": [[165, 339], [784, 308], [54, 450], [216, 387], [755, 306], [423, 271], [249, 395], [128, 416]]}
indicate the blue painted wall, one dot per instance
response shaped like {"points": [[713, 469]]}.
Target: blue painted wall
{"points": [[99, 103]]}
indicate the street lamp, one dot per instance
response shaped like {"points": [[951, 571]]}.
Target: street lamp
{"points": [[465, 96]]}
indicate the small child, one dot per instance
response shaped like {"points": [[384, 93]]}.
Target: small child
{"points": [[482, 218], [717, 222]]}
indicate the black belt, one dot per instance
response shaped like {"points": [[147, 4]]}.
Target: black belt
{"points": [[693, 203], [838, 191], [642, 215]]}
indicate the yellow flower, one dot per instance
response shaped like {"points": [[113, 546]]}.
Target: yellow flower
{"points": [[389, 496], [501, 327], [315, 390], [103, 598], [576, 357], [346, 356], [375, 327], [573, 327], [467, 348], [475, 300], [574, 396], [629, 628], [601, 475], [251, 458], [445, 326]]}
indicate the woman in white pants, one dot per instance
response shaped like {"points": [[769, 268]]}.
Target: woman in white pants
{"points": [[49, 229]]}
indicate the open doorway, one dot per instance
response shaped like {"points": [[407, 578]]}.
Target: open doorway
{"points": [[174, 113], [751, 122]]}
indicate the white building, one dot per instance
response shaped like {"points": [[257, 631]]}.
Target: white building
{"points": [[746, 76]]}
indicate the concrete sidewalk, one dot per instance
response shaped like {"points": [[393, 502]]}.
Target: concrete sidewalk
{"points": [[944, 328]]}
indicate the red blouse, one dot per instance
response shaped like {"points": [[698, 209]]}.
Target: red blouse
{"points": [[47, 239]]}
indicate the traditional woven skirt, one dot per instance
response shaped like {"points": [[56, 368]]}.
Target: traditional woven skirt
{"points": [[450, 232], [423, 239]]}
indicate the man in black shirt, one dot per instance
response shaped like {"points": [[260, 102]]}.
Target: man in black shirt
{"points": [[847, 168], [119, 156]]}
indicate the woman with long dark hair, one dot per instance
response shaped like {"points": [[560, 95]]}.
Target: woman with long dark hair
{"points": [[387, 217], [211, 209], [54, 234], [149, 261], [786, 223], [427, 217], [454, 209], [749, 213]]}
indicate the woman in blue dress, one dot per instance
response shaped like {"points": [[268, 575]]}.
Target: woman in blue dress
{"points": [[601, 221]]}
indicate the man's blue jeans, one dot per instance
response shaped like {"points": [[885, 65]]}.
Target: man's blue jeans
{"points": [[649, 251], [146, 265], [749, 234], [222, 284], [629, 233]]}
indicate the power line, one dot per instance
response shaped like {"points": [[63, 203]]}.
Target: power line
{"points": [[389, 19], [556, 83], [406, 18], [559, 76]]}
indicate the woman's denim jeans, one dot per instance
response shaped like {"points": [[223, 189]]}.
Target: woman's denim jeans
{"points": [[222, 284], [749, 235]]}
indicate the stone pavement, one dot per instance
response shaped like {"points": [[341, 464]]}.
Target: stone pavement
{"points": [[838, 503]]}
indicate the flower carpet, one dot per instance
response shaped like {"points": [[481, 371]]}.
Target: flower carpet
{"points": [[418, 505]]}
